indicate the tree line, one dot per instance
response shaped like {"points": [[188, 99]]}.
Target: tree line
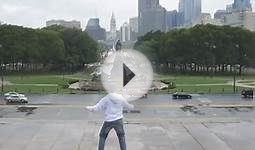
{"points": [[203, 49], [51, 48]]}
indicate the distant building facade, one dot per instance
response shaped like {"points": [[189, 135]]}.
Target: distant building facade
{"points": [[66, 24], [220, 14], [242, 5], [190, 12], [125, 32], [133, 23], [94, 30], [238, 14], [113, 26], [244, 19], [112, 35], [151, 16], [172, 19], [206, 18]]}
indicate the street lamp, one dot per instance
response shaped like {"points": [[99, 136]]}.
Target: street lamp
{"points": [[2, 75], [234, 86], [2, 79]]}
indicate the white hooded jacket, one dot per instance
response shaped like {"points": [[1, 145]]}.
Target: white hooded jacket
{"points": [[112, 106]]}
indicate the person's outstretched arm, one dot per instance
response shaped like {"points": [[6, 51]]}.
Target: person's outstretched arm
{"points": [[98, 107], [128, 105]]}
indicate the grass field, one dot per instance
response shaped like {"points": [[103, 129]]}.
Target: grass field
{"points": [[51, 83], [55, 83], [193, 79], [203, 84]]}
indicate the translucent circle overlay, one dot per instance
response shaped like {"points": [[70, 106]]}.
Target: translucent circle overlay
{"points": [[114, 72]]}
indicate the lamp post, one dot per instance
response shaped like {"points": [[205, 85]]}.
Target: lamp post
{"points": [[2, 80], [234, 86], [2, 75]]}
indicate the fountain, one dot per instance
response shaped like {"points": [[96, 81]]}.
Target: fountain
{"points": [[95, 83]]}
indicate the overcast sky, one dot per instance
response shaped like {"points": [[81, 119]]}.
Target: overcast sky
{"points": [[34, 13]]}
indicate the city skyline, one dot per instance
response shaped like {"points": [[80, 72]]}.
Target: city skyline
{"points": [[36, 13]]}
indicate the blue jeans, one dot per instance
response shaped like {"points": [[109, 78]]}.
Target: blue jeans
{"points": [[119, 129]]}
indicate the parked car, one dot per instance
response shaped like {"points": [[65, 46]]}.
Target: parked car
{"points": [[12, 94], [247, 93], [16, 99], [181, 96]]}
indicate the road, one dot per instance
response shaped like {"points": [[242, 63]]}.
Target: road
{"points": [[53, 122]]}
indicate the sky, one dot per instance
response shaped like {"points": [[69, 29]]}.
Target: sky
{"points": [[34, 13]]}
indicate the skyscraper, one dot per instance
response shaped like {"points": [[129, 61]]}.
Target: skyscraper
{"points": [[125, 32], [145, 5], [171, 19], [113, 27], [240, 14], [190, 12], [94, 29], [112, 34], [242, 5], [151, 16], [134, 24], [220, 14]]}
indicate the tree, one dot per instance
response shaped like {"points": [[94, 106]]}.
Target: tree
{"points": [[201, 49]]}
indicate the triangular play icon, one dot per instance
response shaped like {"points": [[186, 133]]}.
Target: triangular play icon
{"points": [[128, 75]]}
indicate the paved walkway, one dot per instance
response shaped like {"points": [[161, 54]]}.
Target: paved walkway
{"points": [[5, 83], [22, 134], [63, 124]]}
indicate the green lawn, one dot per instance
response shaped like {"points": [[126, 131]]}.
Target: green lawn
{"points": [[56, 83], [36, 79], [193, 79], [189, 84], [24, 83]]}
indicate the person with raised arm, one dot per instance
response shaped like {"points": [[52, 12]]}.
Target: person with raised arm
{"points": [[112, 106]]}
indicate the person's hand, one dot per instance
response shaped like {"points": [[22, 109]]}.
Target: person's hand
{"points": [[131, 106], [89, 108]]}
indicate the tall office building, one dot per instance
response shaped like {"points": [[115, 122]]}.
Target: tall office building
{"points": [[133, 22], [112, 34], [113, 27], [146, 4], [240, 14], [220, 14], [243, 19], [125, 32], [94, 30], [242, 5], [190, 12], [151, 16], [67, 24], [171, 19]]}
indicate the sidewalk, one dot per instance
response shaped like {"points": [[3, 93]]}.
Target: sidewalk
{"points": [[22, 134]]}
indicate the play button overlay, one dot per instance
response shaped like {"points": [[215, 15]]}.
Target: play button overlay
{"points": [[128, 75], [127, 72]]}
